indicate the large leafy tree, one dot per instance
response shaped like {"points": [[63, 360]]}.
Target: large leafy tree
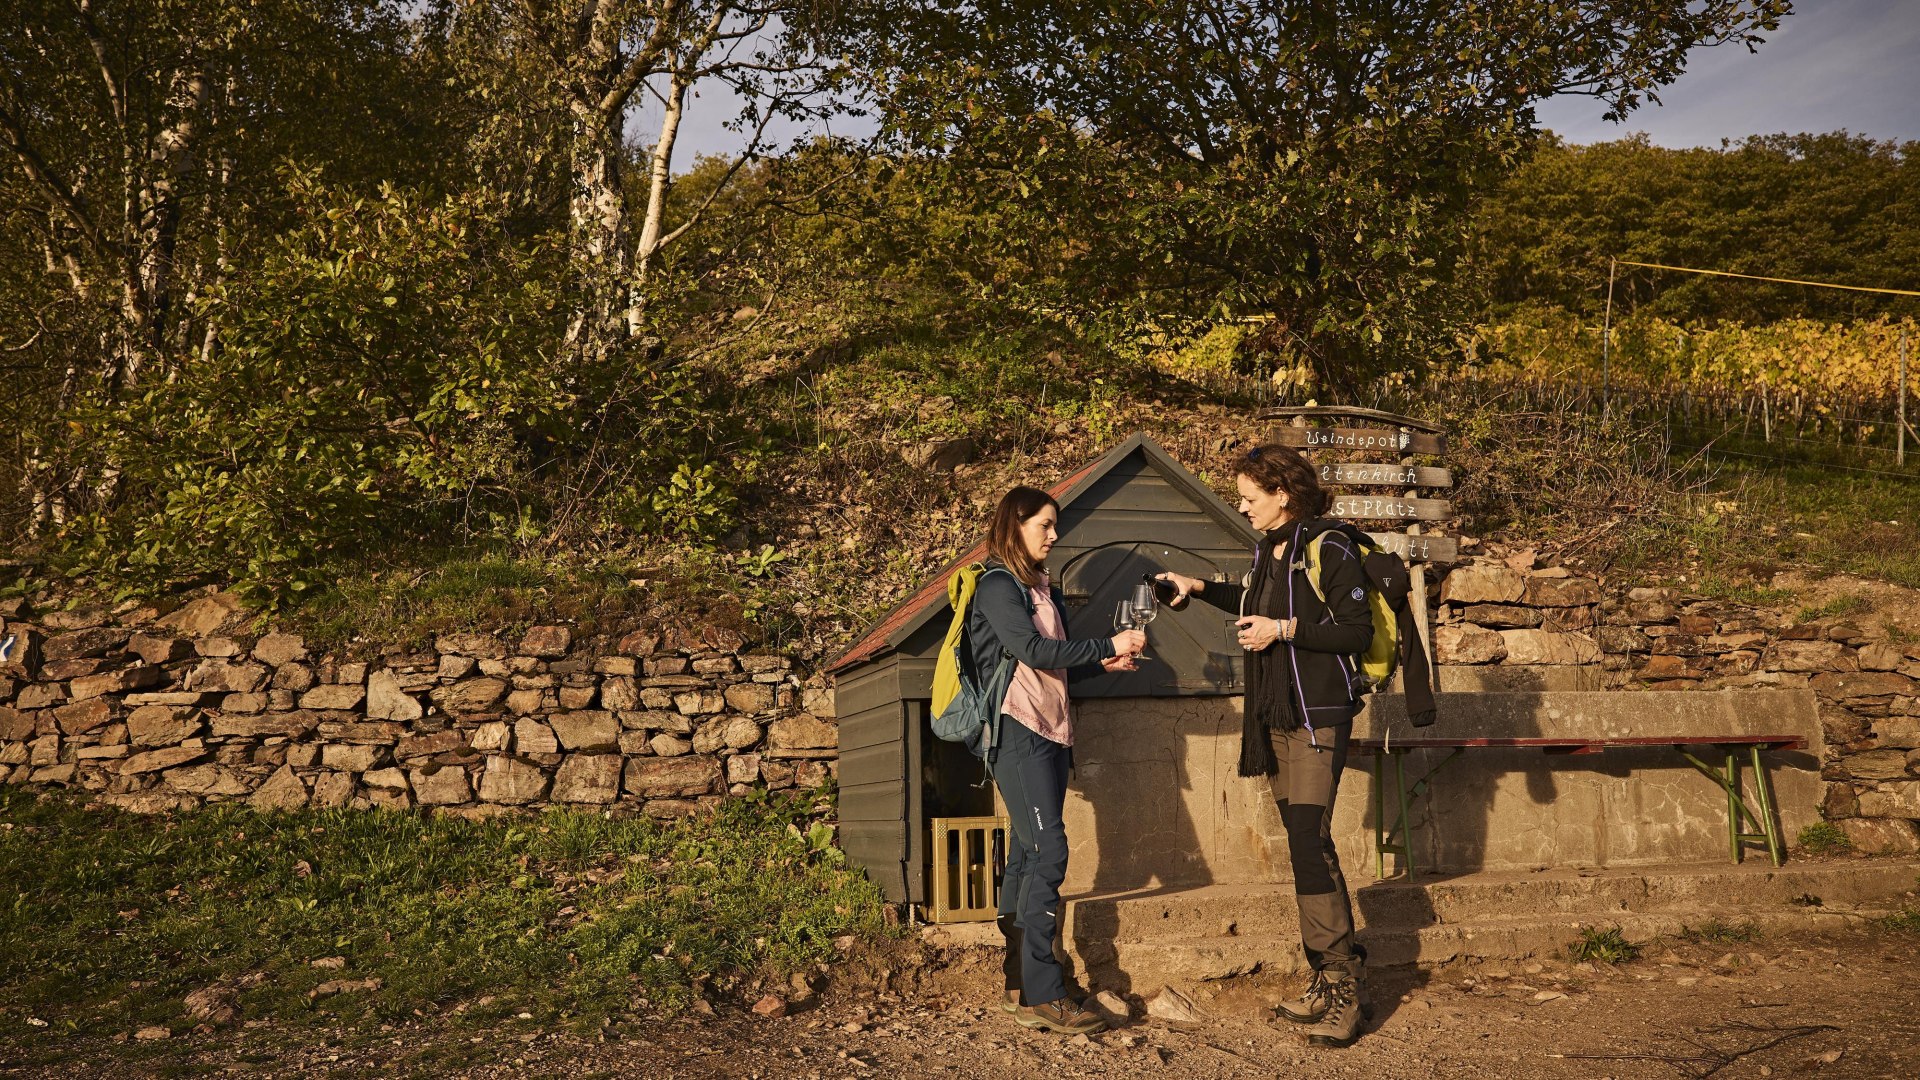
{"points": [[1152, 163], [140, 148], [1835, 207]]}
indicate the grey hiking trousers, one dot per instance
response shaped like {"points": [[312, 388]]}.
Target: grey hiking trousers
{"points": [[1304, 787]]}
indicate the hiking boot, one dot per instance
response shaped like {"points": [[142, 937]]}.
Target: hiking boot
{"points": [[1340, 1024], [1010, 1003], [1312, 1003], [1065, 1015]]}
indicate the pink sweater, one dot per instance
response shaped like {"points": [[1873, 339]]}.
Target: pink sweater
{"points": [[1038, 698]]}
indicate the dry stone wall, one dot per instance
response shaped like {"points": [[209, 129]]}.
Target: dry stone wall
{"points": [[155, 710], [1515, 624]]}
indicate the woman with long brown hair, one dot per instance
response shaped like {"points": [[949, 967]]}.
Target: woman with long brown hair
{"points": [[1016, 608], [1303, 690]]}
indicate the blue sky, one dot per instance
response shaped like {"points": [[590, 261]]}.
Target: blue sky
{"points": [[1832, 65]]}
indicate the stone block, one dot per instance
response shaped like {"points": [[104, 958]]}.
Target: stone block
{"points": [[1482, 584], [455, 666], [333, 697], [638, 643], [292, 725], [1622, 639], [441, 785], [749, 697], [534, 737], [1902, 732], [293, 677], [1882, 836], [470, 695], [438, 742], [494, 736], [512, 781], [83, 644], [277, 649], [715, 665], [222, 647], [711, 736], [1547, 647], [1900, 799], [661, 667], [1560, 592], [202, 617], [115, 682], [205, 780], [284, 790], [162, 725], [224, 675], [526, 702], [373, 732], [819, 701], [62, 670], [478, 646], [619, 693], [671, 776], [743, 768], [40, 695], [740, 733], [1465, 644], [1501, 616], [387, 701], [332, 790], [588, 778], [389, 777], [157, 760], [586, 731], [15, 724], [699, 702], [1877, 765], [1845, 685], [1789, 655], [546, 642], [157, 649], [650, 698], [353, 757], [577, 697], [802, 732], [83, 716], [670, 745], [245, 704]]}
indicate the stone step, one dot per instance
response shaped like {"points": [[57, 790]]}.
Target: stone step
{"points": [[1138, 940], [1269, 910], [1140, 966]]}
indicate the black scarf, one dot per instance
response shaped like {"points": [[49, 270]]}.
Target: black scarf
{"points": [[1268, 705]]}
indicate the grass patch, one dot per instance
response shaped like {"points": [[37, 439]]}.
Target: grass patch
{"points": [[1801, 515], [1741, 589], [571, 916], [1904, 921], [1824, 838], [1715, 932], [1602, 946], [1839, 607]]}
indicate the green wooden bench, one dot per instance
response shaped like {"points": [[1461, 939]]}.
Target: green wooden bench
{"points": [[1389, 760]]}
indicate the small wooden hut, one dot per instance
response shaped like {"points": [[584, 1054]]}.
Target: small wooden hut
{"points": [[1134, 511]]}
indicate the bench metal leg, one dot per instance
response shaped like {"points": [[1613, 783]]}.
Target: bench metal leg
{"points": [[1389, 768], [1739, 814]]}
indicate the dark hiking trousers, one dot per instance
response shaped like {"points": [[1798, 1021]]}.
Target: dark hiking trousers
{"points": [[1032, 774], [1304, 787]]}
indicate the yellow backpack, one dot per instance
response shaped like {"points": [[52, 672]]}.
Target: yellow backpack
{"points": [[966, 708], [1387, 585]]}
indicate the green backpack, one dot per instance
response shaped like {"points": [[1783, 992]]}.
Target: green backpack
{"points": [[1388, 584]]}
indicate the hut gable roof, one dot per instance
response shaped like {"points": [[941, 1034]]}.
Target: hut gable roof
{"points": [[930, 600]]}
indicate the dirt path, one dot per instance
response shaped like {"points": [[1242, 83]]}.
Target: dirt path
{"points": [[1836, 1006]]}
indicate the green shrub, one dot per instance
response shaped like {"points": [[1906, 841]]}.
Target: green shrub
{"points": [[1715, 932], [571, 915], [1602, 946], [1824, 838]]}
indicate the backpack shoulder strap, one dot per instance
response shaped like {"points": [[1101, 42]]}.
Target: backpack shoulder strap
{"points": [[1314, 566]]}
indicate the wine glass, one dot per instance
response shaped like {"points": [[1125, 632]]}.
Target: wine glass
{"points": [[1144, 605], [1124, 616]]}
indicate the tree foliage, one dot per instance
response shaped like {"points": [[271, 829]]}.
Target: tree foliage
{"points": [[1839, 208], [1153, 164]]}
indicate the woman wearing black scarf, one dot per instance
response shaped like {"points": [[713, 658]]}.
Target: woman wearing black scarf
{"points": [[1302, 693]]}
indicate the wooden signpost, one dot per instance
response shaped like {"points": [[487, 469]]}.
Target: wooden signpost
{"points": [[1405, 476], [1405, 438]]}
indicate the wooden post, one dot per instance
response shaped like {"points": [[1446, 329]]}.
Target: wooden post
{"points": [[1417, 584], [1900, 418], [1606, 345]]}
